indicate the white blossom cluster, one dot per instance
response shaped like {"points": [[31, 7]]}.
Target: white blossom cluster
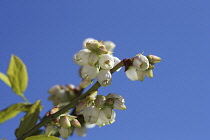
{"points": [[62, 95], [142, 66], [100, 110], [96, 60]]}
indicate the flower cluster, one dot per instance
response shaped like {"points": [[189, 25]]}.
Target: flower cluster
{"points": [[142, 66], [62, 95], [64, 124], [96, 60], [100, 110]]}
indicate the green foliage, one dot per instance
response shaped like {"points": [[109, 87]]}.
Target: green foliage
{"points": [[29, 120], [17, 75], [5, 79], [12, 111], [42, 137]]}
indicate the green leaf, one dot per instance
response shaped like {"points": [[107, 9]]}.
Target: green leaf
{"points": [[12, 111], [42, 137], [5, 79], [17, 75], [29, 120]]}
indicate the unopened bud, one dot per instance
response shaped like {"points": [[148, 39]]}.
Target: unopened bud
{"points": [[85, 83], [75, 123], [102, 50], [153, 59], [149, 73], [81, 105], [64, 122]]}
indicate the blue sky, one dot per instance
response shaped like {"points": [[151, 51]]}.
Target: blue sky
{"points": [[174, 105]]}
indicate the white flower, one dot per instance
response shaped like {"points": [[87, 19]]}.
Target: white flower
{"points": [[132, 74], [87, 40], [104, 78], [141, 62], [116, 61], [81, 58], [63, 132], [50, 129], [103, 120], [91, 114], [58, 95], [93, 58], [81, 131], [106, 61], [89, 72], [109, 45]]}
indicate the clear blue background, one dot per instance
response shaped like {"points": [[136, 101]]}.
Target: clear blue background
{"points": [[174, 105]]}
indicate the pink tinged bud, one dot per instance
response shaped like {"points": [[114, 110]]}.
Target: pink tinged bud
{"points": [[141, 62], [141, 74], [119, 105], [102, 50], [131, 73], [81, 131], [91, 114], [93, 58], [106, 61], [81, 58], [149, 73], [89, 72], [81, 105], [116, 61], [99, 101], [64, 122], [153, 59], [75, 123], [104, 78], [86, 41], [109, 45], [85, 83], [54, 110], [63, 132]]}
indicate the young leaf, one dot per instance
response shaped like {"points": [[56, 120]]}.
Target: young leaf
{"points": [[29, 120], [17, 75], [42, 137], [5, 79], [12, 111]]}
